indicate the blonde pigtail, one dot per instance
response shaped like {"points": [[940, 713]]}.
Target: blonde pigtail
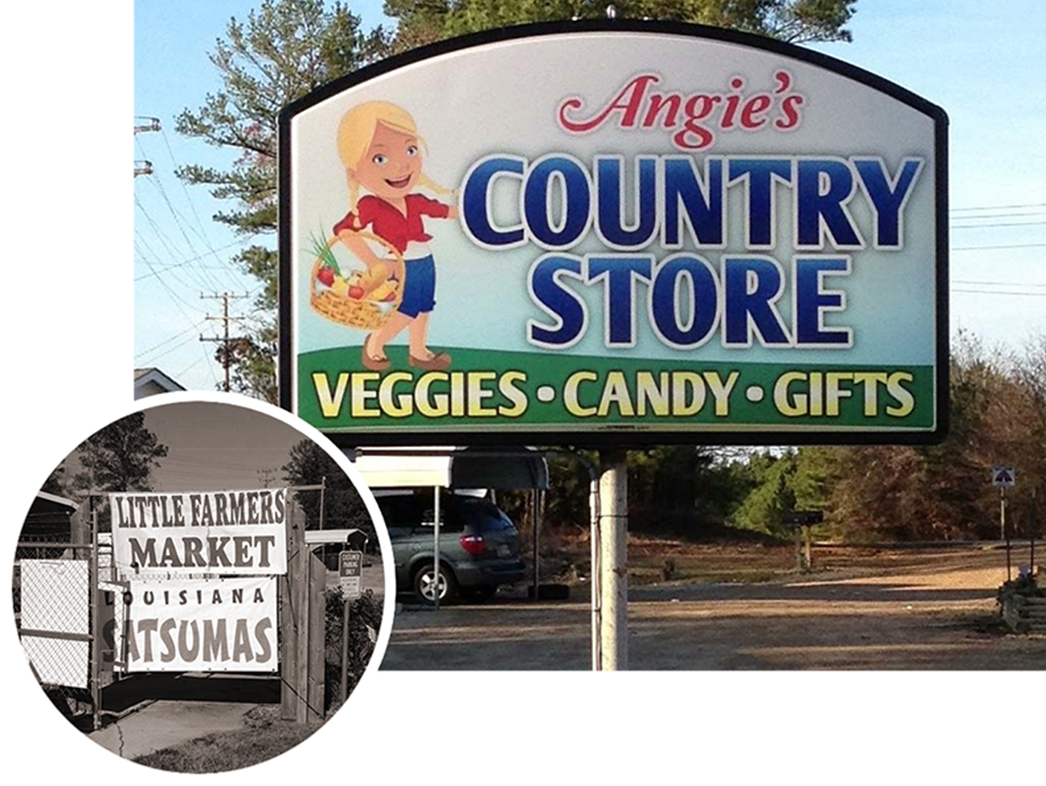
{"points": [[429, 183], [354, 192]]}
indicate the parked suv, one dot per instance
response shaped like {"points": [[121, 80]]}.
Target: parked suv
{"points": [[478, 544]]}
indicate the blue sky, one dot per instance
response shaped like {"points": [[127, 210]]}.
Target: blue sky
{"points": [[978, 63]]}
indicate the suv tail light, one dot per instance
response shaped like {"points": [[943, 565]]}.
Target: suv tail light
{"points": [[473, 544]]}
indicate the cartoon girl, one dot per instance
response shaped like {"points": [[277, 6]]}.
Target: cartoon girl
{"points": [[379, 145]]}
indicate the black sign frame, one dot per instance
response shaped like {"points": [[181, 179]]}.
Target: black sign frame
{"points": [[619, 436]]}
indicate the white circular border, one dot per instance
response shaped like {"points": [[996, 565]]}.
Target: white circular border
{"points": [[7, 575]]}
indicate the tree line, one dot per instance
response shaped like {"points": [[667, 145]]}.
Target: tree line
{"points": [[867, 494]]}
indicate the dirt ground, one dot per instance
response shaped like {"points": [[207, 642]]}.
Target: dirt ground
{"points": [[742, 608]]}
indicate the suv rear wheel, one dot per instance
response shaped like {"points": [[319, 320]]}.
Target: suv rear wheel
{"points": [[425, 584]]}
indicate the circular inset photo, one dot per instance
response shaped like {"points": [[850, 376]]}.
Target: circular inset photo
{"points": [[200, 585]]}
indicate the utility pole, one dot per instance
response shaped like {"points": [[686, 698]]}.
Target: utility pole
{"points": [[227, 341], [266, 476], [151, 124]]}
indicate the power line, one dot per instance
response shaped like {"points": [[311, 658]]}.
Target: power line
{"points": [[180, 223], [998, 283], [189, 261], [998, 292], [169, 340], [1004, 224], [994, 248], [169, 350], [996, 207], [1026, 214]]}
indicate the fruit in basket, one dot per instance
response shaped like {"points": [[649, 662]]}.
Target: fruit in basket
{"points": [[356, 292], [385, 292], [340, 286], [326, 275]]}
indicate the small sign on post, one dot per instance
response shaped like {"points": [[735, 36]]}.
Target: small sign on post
{"points": [[349, 568], [801, 521], [1004, 477]]}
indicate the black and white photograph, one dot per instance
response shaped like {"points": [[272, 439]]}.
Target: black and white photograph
{"points": [[199, 586]]}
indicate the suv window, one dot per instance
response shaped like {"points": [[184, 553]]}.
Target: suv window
{"points": [[414, 514], [482, 515]]}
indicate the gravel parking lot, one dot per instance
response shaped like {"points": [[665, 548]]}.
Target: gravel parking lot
{"points": [[891, 609]]}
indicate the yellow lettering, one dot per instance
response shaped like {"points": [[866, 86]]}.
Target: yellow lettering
{"points": [[721, 391], [615, 392], [477, 394], [393, 405], [681, 380], [901, 395], [361, 394], [570, 393], [783, 401], [431, 405], [871, 381], [654, 393], [330, 405], [506, 384]]}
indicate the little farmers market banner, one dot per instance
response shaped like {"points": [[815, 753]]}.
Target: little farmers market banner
{"points": [[614, 232], [217, 532], [199, 625]]}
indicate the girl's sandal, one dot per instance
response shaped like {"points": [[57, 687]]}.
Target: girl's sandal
{"points": [[437, 362], [370, 362]]}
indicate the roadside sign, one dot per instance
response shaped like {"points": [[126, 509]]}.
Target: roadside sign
{"points": [[675, 234], [349, 569], [803, 518], [1004, 476]]}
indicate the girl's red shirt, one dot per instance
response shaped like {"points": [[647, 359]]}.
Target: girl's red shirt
{"points": [[389, 223]]}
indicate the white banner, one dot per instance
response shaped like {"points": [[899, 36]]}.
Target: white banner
{"points": [[202, 625], [222, 532]]}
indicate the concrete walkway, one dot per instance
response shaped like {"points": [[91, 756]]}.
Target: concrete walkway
{"points": [[148, 713]]}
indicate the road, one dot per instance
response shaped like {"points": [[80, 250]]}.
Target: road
{"points": [[931, 610]]}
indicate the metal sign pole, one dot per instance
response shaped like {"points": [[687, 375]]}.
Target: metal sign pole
{"points": [[1032, 524], [613, 544], [435, 551], [345, 649], [96, 633], [1006, 535]]}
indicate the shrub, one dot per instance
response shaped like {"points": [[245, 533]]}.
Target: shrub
{"points": [[364, 624]]}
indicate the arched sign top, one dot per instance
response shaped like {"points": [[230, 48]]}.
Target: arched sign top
{"points": [[613, 233], [581, 26]]}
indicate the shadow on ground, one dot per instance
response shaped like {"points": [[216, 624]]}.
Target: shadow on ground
{"points": [[135, 689]]}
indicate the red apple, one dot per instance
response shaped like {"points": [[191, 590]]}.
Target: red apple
{"points": [[326, 276], [356, 292]]}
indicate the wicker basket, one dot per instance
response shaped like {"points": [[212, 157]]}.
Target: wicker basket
{"points": [[364, 313]]}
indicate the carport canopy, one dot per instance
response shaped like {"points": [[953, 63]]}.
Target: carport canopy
{"points": [[463, 468]]}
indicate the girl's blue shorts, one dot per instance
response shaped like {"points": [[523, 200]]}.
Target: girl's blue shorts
{"points": [[419, 288]]}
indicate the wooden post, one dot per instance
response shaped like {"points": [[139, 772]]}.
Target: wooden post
{"points": [[315, 644], [79, 529], [292, 614], [808, 553], [301, 627]]}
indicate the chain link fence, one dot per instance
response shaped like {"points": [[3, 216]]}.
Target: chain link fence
{"points": [[52, 596]]}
